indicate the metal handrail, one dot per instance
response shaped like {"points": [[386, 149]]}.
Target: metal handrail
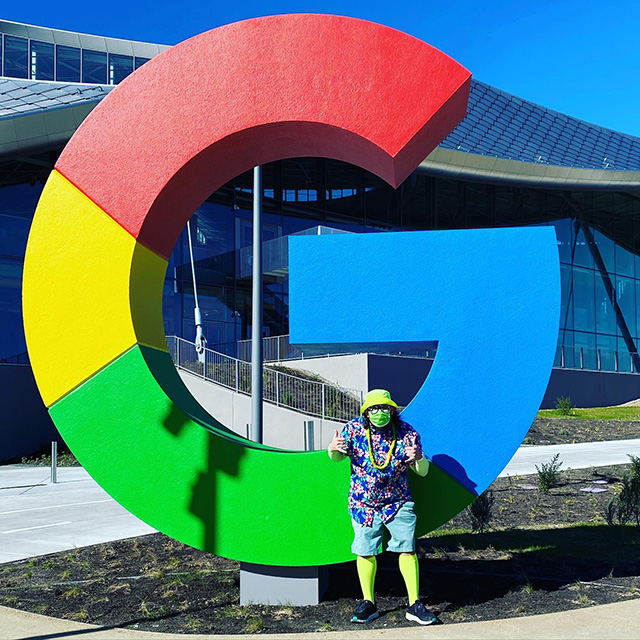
{"points": [[279, 349], [595, 359], [311, 397], [20, 358]]}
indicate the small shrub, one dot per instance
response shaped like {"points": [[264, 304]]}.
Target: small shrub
{"points": [[193, 623], [481, 511], [254, 625], [458, 614], [549, 474], [564, 406], [81, 615], [65, 459], [624, 507], [74, 592]]}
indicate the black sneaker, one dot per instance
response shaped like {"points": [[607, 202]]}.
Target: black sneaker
{"points": [[366, 612], [417, 612]]}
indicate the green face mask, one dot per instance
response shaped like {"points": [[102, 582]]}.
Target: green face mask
{"points": [[380, 418]]}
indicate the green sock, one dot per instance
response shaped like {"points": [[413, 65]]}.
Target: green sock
{"points": [[367, 574], [409, 570]]}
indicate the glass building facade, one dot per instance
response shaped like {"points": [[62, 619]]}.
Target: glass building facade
{"points": [[598, 243], [598, 227], [31, 59]]}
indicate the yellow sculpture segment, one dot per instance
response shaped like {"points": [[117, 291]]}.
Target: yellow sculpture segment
{"points": [[77, 307]]}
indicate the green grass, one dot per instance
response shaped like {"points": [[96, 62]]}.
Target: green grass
{"points": [[441, 533], [595, 413]]}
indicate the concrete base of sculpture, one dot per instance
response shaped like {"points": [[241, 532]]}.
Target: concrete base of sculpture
{"points": [[263, 584]]}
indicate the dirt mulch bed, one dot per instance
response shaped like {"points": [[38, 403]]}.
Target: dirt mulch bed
{"points": [[569, 430], [543, 553]]}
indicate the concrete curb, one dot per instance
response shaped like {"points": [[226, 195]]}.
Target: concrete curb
{"points": [[618, 621]]}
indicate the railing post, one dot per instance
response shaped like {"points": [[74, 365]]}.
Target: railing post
{"points": [[562, 356], [54, 462], [582, 357], [323, 390], [617, 363], [278, 388], [237, 362], [309, 439], [598, 360]]}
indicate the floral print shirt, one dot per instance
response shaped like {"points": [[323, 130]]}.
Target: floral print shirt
{"points": [[377, 490]]}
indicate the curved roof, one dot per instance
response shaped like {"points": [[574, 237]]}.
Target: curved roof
{"points": [[36, 115], [18, 97], [502, 137], [504, 126]]}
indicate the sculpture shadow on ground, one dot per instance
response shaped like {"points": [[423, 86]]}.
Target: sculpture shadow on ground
{"points": [[462, 570]]}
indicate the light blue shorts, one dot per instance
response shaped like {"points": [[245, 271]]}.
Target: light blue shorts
{"points": [[402, 529]]}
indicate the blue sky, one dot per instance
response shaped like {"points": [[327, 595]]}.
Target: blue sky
{"points": [[580, 57]]}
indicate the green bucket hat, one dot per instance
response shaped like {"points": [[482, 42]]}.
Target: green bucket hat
{"points": [[377, 396]]}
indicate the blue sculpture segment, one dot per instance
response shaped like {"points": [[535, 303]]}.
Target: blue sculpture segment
{"points": [[489, 297]]}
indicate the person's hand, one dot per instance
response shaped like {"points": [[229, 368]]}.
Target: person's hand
{"points": [[413, 453], [338, 444]]}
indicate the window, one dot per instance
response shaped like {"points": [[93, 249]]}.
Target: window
{"points": [[16, 57], [94, 66], [624, 357], [606, 248], [585, 351], [584, 299], [67, 64], [566, 301], [42, 60], [607, 347], [119, 67], [605, 315], [582, 251], [563, 236], [626, 297], [140, 61]]}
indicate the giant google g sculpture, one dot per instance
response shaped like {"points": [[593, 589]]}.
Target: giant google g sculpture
{"points": [[172, 133]]}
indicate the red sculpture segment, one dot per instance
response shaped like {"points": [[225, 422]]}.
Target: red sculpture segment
{"points": [[249, 93]]}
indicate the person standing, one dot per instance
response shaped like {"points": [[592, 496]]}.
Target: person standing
{"points": [[381, 448]]}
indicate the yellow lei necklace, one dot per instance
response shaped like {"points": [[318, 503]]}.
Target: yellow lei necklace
{"points": [[391, 448]]}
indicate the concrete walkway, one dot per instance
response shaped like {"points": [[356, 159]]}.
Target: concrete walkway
{"points": [[581, 455], [37, 517], [617, 621]]}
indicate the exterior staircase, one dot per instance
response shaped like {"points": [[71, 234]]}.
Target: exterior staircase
{"points": [[301, 410]]}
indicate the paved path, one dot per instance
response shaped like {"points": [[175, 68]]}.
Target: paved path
{"points": [[617, 621], [37, 517], [575, 456]]}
